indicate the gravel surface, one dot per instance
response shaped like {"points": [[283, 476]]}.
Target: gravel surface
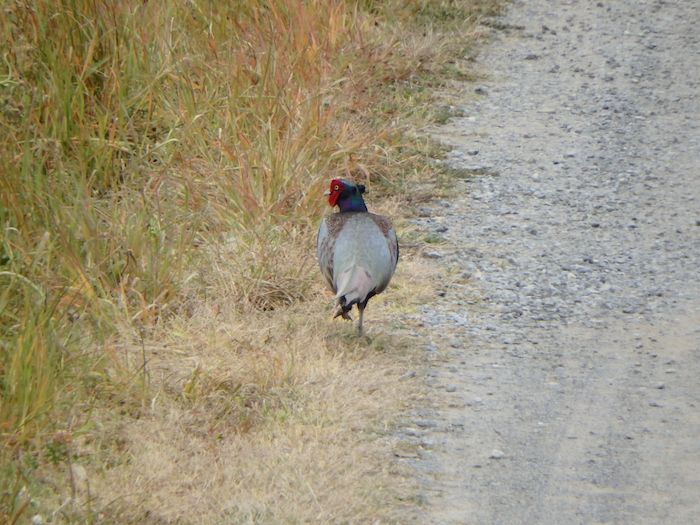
{"points": [[566, 376]]}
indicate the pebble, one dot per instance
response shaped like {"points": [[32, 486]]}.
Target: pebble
{"points": [[496, 454], [451, 388]]}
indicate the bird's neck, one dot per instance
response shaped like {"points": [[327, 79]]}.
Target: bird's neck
{"points": [[352, 203]]}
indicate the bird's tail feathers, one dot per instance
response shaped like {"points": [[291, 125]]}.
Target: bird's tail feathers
{"points": [[355, 285]]}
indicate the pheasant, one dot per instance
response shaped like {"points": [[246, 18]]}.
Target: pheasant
{"points": [[357, 250]]}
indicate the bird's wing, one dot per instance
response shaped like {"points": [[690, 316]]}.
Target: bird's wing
{"points": [[393, 245], [389, 233], [325, 246]]}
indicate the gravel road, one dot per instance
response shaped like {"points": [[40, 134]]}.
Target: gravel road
{"points": [[566, 376]]}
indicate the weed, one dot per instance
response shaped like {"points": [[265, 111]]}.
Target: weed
{"points": [[163, 164]]}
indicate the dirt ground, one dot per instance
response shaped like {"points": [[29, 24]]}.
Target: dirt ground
{"points": [[565, 378]]}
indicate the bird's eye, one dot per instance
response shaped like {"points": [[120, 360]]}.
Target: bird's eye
{"points": [[336, 187]]}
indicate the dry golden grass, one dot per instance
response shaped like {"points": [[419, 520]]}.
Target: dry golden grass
{"points": [[167, 354], [252, 417]]}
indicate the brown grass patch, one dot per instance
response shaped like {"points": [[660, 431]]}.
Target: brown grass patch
{"points": [[257, 417], [167, 354]]}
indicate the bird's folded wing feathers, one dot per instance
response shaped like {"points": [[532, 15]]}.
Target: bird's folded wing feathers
{"points": [[387, 229], [325, 244]]}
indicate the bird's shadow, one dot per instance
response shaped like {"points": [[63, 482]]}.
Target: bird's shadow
{"points": [[344, 339]]}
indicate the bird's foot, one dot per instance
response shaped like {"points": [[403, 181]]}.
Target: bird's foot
{"points": [[342, 312]]}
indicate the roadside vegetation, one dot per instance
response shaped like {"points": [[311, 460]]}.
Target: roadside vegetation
{"points": [[166, 349]]}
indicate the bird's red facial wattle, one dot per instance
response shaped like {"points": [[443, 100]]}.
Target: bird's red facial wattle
{"points": [[334, 192]]}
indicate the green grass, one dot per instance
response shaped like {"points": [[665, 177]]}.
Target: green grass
{"points": [[148, 148]]}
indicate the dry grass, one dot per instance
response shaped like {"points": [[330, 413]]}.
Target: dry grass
{"points": [[167, 355], [248, 417]]}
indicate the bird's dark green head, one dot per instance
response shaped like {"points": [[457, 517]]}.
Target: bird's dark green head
{"points": [[346, 195]]}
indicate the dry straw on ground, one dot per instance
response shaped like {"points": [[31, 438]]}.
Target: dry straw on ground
{"points": [[167, 354]]}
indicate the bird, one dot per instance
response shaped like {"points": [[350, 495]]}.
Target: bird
{"points": [[357, 250]]}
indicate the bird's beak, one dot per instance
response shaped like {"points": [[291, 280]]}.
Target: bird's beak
{"points": [[327, 193]]}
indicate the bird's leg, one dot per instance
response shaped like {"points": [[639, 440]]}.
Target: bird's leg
{"points": [[361, 308]]}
